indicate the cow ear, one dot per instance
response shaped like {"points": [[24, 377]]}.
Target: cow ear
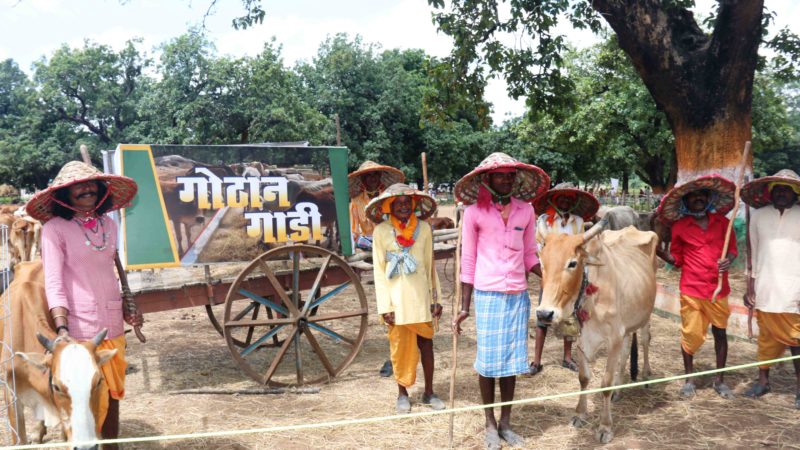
{"points": [[104, 356], [37, 360]]}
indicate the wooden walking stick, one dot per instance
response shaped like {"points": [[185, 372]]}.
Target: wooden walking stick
{"points": [[748, 295], [455, 310], [739, 181]]}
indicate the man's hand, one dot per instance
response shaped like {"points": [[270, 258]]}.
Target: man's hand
{"points": [[750, 296], [388, 318], [436, 310], [131, 313], [724, 264], [456, 325]]}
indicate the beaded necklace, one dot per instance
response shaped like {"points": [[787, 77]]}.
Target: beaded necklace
{"points": [[94, 229]]}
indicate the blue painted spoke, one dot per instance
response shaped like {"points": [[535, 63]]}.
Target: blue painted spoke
{"points": [[329, 295], [330, 333], [265, 302], [261, 340]]}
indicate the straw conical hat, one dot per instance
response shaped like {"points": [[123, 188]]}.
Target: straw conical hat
{"points": [[389, 176], [426, 205], [121, 189], [756, 192], [531, 180], [670, 208], [586, 204]]}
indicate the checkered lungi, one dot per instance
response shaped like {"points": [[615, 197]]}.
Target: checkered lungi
{"points": [[501, 320]]}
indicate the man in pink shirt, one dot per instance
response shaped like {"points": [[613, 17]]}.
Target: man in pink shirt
{"points": [[498, 250], [79, 244]]}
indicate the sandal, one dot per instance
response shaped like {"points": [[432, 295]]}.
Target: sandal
{"points": [[723, 390], [403, 405], [386, 371], [492, 440], [513, 439], [687, 391], [535, 369], [569, 365], [757, 390], [434, 402]]}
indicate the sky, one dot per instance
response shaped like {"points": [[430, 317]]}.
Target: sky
{"points": [[31, 29]]}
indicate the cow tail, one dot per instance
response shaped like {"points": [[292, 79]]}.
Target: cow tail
{"points": [[634, 358]]}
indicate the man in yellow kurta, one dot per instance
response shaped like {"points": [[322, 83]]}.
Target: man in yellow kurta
{"points": [[405, 278], [774, 285], [365, 184]]}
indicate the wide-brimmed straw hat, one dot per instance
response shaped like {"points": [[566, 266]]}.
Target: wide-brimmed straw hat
{"points": [[389, 176], [585, 205], [425, 204], [669, 210], [757, 192], [530, 182], [121, 190]]}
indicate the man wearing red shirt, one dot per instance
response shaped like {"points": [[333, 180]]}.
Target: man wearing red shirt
{"points": [[698, 236]]}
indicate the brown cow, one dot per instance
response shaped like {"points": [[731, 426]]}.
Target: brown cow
{"points": [[321, 194], [61, 386], [25, 237], [610, 284]]}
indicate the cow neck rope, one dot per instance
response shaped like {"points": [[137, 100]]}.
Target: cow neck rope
{"points": [[581, 295]]}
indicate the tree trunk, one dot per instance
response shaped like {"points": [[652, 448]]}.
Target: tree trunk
{"points": [[717, 147], [703, 82]]}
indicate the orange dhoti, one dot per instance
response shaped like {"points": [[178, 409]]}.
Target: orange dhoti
{"points": [[404, 350], [776, 331], [696, 315], [114, 374]]}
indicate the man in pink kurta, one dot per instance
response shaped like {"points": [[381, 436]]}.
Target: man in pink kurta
{"points": [[498, 250], [79, 244]]}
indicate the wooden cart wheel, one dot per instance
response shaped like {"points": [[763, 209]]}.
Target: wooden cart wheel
{"points": [[305, 301]]}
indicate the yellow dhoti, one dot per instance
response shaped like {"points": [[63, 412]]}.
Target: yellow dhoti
{"points": [[696, 315], [114, 375], [404, 350], [776, 331]]}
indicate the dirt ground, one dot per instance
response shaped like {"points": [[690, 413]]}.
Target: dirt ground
{"points": [[184, 352]]}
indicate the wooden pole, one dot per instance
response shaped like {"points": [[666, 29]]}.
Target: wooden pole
{"points": [[338, 131], [749, 266], [454, 363], [424, 173], [735, 210]]}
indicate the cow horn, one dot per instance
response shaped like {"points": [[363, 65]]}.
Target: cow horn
{"points": [[100, 336], [595, 230], [46, 343]]}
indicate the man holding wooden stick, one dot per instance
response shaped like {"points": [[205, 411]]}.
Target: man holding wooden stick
{"points": [[498, 250], [698, 210], [773, 287]]}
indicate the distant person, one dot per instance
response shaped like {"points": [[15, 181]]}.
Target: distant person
{"points": [[365, 184], [697, 211], [773, 287], [562, 210]]}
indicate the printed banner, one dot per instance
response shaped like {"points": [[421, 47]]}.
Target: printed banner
{"points": [[210, 204]]}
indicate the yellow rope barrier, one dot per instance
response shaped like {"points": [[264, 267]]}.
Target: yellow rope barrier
{"points": [[340, 423]]}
